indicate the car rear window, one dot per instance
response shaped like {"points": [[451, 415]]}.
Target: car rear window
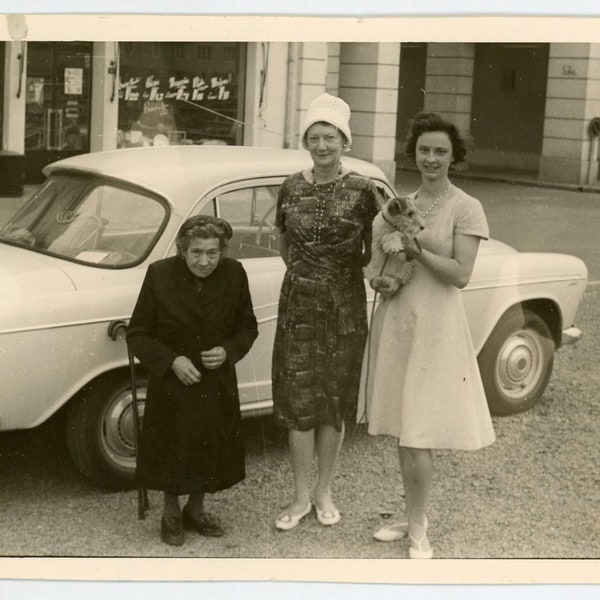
{"points": [[88, 220]]}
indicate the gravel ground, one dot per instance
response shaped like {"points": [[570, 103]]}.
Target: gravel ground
{"points": [[533, 494]]}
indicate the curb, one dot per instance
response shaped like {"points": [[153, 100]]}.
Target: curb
{"points": [[515, 180]]}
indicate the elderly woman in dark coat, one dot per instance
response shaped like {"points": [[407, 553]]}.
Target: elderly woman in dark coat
{"points": [[192, 322]]}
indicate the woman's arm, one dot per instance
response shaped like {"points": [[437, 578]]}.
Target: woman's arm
{"points": [[456, 270], [284, 247], [366, 254], [141, 331], [246, 330]]}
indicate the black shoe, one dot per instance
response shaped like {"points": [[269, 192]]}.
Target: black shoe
{"points": [[206, 524], [171, 531]]}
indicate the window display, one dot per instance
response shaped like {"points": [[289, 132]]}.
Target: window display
{"points": [[180, 93]]}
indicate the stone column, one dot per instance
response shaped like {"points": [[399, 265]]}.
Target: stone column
{"points": [[449, 81], [368, 81], [15, 84], [105, 97], [333, 68], [572, 101], [311, 81]]}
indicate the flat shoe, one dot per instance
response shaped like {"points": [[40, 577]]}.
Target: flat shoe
{"points": [[328, 517], [171, 531], [206, 524], [391, 533], [286, 521]]}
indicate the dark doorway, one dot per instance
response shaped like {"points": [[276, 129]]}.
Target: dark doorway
{"points": [[411, 88], [509, 96], [57, 115]]}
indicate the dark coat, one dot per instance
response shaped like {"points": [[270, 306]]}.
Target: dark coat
{"points": [[191, 436]]}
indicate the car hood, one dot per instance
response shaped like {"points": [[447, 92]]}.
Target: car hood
{"points": [[24, 273]]}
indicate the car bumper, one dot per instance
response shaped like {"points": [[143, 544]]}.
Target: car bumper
{"points": [[571, 335]]}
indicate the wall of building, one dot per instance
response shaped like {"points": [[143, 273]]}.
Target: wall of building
{"points": [[105, 102], [572, 100], [281, 79], [449, 81], [265, 106], [369, 83], [13, 113]]}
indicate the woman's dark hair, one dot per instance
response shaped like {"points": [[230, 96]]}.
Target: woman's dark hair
{"points": [[425, 122], [204, 227]]}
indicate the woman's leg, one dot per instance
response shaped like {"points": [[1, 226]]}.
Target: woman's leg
{"points": [[195, 504], [417, 474], [302, 447], [171, 505], [329, 444]]}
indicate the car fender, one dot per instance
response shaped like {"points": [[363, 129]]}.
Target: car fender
{"points": [[544, 282]]}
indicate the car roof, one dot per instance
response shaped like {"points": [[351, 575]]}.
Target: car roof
{"points": [[186, 172]]}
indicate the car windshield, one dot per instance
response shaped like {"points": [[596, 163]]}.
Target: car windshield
{"points": [[88, 220]]}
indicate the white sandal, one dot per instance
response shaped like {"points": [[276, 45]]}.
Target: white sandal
{"points": [[418, 552], [391, 533], [328, 517], [287, 521]]}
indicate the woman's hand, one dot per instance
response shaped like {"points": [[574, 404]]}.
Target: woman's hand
{"points": [[411, 246], [457, 269], [186, 371], [213, 358]]}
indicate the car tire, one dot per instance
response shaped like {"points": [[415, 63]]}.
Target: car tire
{"points": [[100, 433], [516, 362]]}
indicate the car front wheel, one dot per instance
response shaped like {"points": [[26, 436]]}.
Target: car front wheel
{"points": [[516, 362], [100, 432]]}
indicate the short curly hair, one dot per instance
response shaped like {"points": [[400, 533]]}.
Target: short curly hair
{"points": [[424, 122], [203, 227]]}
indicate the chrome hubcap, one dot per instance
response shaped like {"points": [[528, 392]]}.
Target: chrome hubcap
{"points": [[520, 366], [117, 427]]}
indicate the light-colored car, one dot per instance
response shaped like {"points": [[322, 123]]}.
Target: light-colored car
{"points": [[73, 258]]}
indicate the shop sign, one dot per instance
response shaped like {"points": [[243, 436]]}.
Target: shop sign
{"points": [[195, 89], [73, 81]]}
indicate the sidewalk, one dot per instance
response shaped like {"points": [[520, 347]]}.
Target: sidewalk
{"points": [[512, 177]]}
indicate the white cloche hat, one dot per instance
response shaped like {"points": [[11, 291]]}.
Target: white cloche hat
{"points": [[328, 109]]}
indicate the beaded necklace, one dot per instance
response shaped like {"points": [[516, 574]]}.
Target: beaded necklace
{"points": [[329, 184], [322, 191], [440, 197]]}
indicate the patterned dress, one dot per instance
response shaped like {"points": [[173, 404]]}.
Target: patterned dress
{"points": [[423, 379], [322, 324]]}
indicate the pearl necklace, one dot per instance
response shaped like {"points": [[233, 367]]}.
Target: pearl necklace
{"points": [[440, 197]]}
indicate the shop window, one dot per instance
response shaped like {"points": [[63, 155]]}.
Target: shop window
{"points": [[230, 53], [180, 93], [204, 52]]}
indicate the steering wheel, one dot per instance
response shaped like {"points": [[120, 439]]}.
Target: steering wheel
{"points": [[266, 222]]}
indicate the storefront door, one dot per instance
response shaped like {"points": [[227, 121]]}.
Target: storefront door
{"points": [[57, 117]]}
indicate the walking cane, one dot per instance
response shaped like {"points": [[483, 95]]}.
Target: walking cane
{"points": [[142, 492], [114, 328]]}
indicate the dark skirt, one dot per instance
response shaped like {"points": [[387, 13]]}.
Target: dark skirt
{"points": [[191, 437], [318, 352]]}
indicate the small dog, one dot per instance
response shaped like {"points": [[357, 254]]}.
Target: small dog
{"points": [[389, 268]]}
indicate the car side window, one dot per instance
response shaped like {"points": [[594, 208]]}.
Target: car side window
{"points": [[251, 213]]}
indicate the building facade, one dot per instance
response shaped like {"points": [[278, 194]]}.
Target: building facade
{"points": [[527, 107]]}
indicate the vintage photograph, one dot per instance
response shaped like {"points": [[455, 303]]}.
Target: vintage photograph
{"points": [[268, 298]]}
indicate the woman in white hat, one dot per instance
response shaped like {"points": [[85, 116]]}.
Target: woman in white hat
{"points": [[324, 214]]}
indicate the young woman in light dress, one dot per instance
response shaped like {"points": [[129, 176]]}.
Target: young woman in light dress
{"points": [[421, 374]]}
